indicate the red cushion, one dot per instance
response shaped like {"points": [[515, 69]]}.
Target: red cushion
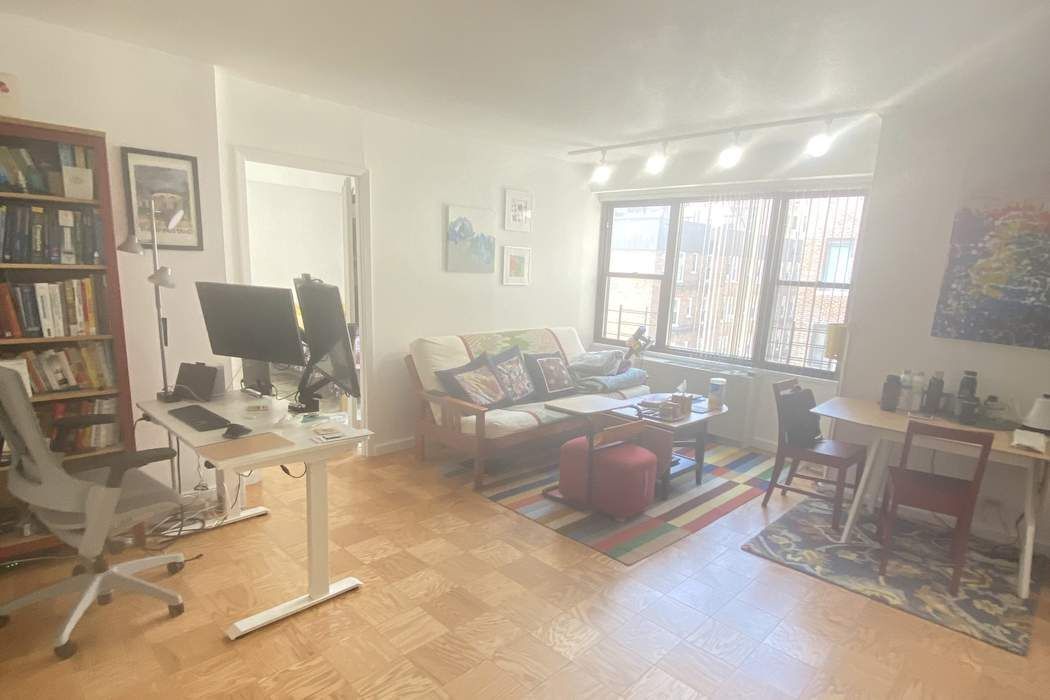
{"points": [[624, 477]]}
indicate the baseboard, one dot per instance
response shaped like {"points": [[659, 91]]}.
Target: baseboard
{"points": [[388, 446]]}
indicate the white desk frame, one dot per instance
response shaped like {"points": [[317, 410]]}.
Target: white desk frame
{"points": [[234, 406], [887, 427]]}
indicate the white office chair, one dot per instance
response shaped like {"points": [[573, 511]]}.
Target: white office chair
{"points": [[84, 506]]}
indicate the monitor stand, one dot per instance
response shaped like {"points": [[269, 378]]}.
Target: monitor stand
{"points": [[309, 401]]}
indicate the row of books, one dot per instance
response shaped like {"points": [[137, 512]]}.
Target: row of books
{"points": [[93, 437], [41, 167], [54, 309], [87, 366], [50, 234]]}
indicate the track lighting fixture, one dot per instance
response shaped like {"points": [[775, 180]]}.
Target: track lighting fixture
{"points": [[820, 143], [657, 161], [602, 172], [731, 155]]}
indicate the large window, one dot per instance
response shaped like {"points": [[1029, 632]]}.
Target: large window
{"points": [[750, 280]]}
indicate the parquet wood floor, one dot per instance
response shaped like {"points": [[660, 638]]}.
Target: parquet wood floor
{"points": [[465, 599]]}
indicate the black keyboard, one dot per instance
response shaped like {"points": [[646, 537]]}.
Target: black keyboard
{"points": [[199, 418]]}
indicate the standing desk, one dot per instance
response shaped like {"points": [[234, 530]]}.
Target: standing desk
{"points": [[236, 407]]}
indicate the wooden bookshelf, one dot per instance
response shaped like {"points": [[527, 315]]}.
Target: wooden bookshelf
{"points": [[52, 341], [35, 267], [30, 135], [48, 199], [73, 395]]}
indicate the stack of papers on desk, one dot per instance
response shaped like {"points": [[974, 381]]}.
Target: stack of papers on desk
{"points": [[1030, 440]]}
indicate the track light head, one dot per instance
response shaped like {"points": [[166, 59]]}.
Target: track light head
{"points": [[820, 143], [657, 161], [602, 172], [730, 156]]}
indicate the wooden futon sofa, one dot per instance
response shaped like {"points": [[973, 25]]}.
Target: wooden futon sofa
{"points": [[478, 432]]}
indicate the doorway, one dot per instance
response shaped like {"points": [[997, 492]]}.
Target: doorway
{"points": [[302, 220]]}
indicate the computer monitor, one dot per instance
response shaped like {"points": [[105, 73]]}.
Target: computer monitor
{"points": [[253, 323], [328, 338]]}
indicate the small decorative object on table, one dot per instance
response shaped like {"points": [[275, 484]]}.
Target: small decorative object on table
{"points": [[716, 393]]}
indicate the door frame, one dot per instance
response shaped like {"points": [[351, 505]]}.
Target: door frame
{"points": [[238, 256]]}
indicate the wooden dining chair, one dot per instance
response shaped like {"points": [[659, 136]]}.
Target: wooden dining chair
{"points": [[798, 440], [947, 495]]}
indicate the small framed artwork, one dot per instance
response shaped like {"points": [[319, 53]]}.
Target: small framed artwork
{"points": [[517, 265], [161, 185], [517, 211]]}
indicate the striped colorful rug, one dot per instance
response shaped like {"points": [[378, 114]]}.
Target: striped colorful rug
{"points": [[732, 477]]}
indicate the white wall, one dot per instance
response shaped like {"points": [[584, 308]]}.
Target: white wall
{"points": [[918, 185], [414, 171], [295, 230], [145, 99]]}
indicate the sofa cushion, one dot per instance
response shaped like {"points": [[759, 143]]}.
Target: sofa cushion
{"points": [[550, 375], [500, 422], [475, 381], [509, 366]]}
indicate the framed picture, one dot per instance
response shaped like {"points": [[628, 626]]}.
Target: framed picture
{"points": [[164, 183], [517, 265], [517, 210], [469, 243]]}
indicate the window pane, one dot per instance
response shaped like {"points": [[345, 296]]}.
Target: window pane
{"points": [[639, 239], [800, 318], [719, 277], [820, 238], [630, 303]]}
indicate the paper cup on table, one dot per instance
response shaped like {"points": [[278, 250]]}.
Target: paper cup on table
{"points": [[716, 394]]}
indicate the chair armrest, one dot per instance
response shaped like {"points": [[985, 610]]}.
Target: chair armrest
{"points": [[459, 405], [119, 463]]}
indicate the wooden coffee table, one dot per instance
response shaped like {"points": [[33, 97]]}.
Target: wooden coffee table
{"points": [[688, 431]]}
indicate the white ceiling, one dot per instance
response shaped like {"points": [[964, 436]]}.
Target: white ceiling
{"points": [[557, 74]]}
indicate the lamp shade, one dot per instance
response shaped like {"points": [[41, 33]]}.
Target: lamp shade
{"points": [[835, 344], [131, 245], [163, 277], [1039, 417]]}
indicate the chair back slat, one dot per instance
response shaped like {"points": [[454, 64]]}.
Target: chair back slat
{"points": [[980, 439], [780, 390]]}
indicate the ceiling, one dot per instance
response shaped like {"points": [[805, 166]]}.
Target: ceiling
{"points": [[559, 74]]}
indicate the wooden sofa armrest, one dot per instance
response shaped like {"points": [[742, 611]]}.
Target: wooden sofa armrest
{"points": [[462, 407]]}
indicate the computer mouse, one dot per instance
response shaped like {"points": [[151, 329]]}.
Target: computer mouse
{"points": [[236, 430]]}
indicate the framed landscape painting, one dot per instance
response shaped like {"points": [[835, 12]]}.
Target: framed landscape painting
{"points": [[164, 183], [996, 288], [469, 243]]}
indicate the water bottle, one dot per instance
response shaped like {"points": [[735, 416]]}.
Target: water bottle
{"points": [[918, 381], [906, 390]]}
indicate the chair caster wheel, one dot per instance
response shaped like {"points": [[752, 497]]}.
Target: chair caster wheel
{"points": [[175, 567], [66, 650], [79, 569], [4, 619], [177, 609], [105, 598]]}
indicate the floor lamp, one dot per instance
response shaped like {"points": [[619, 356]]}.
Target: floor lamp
{"points": [[162, 276]]}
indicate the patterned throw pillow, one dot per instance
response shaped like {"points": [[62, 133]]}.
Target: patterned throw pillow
{"points": [[550, 375], [475, 382], [509, 366]]}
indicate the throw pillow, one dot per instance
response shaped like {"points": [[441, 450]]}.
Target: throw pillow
{"points": [[509, 366], [550, 375], [475, 382]]}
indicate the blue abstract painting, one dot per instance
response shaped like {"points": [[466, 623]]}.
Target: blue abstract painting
{"points": [[469, 243]]}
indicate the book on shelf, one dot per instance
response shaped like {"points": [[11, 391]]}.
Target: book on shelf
{"points": [[47, 168], [87, 439], [68, 308], [88, 366], [50, 234]]}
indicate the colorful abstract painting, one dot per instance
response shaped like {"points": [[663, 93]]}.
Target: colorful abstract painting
{"points": [[469, 243], [996, 288]]}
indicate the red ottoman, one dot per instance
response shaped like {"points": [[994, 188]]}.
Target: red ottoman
{"points": [[624, 477]]}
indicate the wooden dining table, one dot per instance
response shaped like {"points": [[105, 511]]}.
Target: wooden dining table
{"points": [[890, 427]]}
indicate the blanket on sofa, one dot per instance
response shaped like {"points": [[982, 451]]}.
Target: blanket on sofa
{"points": [[616, 382]]}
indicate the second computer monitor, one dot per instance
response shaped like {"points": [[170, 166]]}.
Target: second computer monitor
{"points": [[326, 333], [253, 323]]}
